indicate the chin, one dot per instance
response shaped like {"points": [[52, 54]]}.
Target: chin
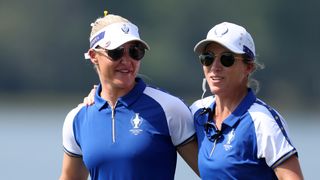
{"points": [[216, 90], [124, 84]]}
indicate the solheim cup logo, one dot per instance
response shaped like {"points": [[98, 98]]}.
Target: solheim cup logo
{"points": [[136, 122], [230, 138], [125, 29], [221, 30]]}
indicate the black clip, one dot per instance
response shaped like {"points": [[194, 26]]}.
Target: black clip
{"points": [[205, 111]]}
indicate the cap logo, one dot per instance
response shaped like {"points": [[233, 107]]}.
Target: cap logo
{"points": [[125, 29], [107, 44], [220, 31]]}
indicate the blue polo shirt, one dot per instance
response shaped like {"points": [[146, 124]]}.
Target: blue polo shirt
{"points": [[135, 140], [252, 142]]}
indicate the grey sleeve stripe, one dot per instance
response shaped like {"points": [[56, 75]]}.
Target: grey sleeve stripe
{"points": [[71, 154], [284, 158]]}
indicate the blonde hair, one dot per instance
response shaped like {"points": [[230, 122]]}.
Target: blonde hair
{"points": [[102, 22], [105, 21], [252, 82]]}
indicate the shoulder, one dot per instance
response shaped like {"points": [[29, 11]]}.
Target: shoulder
{"points": [[73, 113], [164, 98], [71, 117], [261, 113], [269, 124], [69, 142], [201, 103]]}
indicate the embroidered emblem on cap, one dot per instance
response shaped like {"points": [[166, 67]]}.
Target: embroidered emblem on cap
{"points": [[220, 31], [125, 29], [107, 44]]}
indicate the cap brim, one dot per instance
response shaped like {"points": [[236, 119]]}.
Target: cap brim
{"points": [[120, 41], [200, 46]]}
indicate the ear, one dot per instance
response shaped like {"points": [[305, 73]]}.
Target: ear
{"points": [[250, 67], [93, 56]]}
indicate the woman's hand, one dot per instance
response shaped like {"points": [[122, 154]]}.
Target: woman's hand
{"points": [[89, 100]]}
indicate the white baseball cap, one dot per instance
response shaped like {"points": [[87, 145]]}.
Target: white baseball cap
{"points": [[231, 36], [115, 35]]}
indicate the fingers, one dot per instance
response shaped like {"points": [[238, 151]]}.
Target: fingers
{"points": [[89, 100]]}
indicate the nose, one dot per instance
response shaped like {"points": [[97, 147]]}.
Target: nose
{"points": [[125, 56], [216, 64]]}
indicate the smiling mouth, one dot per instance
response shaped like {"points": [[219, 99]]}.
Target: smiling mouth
{"points": [[124, 71], [215, 78]]}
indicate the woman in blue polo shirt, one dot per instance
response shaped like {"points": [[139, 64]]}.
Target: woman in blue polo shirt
{"points": [[239, 136], [133, 131]]}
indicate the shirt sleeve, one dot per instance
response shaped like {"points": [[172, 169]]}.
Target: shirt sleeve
{"points": [[70, 145], [273, 141], [180, 123], [178, 116]]}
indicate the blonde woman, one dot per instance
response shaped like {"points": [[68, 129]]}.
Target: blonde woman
{"points": [[132, 131]]}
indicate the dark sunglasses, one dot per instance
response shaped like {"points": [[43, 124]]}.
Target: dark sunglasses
{"points": [[135, 51], [226, 59], [211, 130]]}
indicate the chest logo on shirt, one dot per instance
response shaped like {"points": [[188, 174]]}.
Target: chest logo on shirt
{"points": [[136, 122], [230, 138]]}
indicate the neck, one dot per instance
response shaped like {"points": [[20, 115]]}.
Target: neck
{"points": [[112, 94], [110, 97], [226, 105]]}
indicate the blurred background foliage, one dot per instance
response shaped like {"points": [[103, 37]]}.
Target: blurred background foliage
{"points": [[42, 45]]}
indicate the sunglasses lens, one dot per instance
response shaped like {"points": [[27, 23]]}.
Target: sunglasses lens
{"points": [[227, 60], [116, 54], [136, 52], [206, 59]]}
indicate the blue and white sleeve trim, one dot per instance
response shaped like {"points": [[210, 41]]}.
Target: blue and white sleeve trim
{"points": [[273, 142], [178, 116], [70, 145]]}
